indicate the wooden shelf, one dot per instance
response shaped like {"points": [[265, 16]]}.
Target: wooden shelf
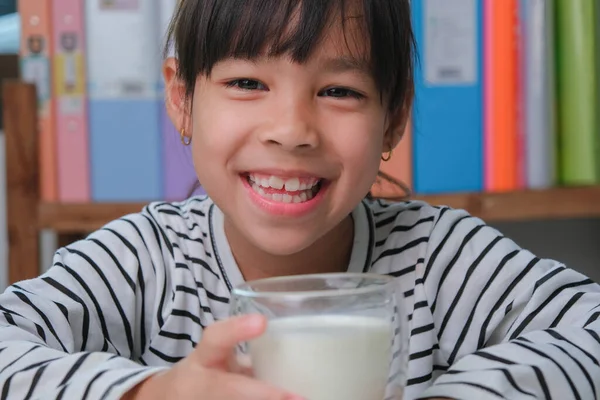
{"points": [[556, 203], [528, 205], [80, 218]]}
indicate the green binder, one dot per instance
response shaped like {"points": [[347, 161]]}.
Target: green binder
{"points": [[577, 90]]}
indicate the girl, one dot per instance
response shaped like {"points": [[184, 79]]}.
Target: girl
{"points": [[288, 106]]}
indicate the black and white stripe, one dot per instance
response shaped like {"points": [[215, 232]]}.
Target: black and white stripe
{"points": [[483, 318]]}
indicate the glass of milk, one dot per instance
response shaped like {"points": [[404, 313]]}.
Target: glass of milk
{"points": [[329, 336]]}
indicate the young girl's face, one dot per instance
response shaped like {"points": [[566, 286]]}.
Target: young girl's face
{"points": [[288, 150]]}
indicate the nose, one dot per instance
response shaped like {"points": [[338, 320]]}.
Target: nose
{"points": [[292, 127]]}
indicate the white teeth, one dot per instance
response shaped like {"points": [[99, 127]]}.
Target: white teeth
{"points": [[276, 183], [261, 191], [298, 192], [301, 197], [292, 185]]}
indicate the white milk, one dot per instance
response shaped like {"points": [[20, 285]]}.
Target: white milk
{"points": [[328, 357]]}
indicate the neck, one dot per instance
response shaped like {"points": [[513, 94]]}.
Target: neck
{"points": [[331, 253]]}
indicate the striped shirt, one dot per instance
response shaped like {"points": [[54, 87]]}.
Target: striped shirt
{"points": [[484, 319]]}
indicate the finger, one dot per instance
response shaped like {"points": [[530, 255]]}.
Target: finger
{"points": [[219, 339], [241, 364], [239, 387]]}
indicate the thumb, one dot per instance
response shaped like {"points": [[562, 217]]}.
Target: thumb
{"points": [[220, 339]]}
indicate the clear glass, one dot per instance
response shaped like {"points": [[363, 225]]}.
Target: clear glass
{"points": [[329, 336]]}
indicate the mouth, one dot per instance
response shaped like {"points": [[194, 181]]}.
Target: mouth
{"points": [[287, 190]]}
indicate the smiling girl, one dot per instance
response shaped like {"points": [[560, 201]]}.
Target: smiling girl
{"points": [[289, 106]]}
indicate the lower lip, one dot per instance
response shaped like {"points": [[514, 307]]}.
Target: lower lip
{"points": [[285, 209]]}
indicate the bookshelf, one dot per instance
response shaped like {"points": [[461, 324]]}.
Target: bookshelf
{"points": [[27, 214]]}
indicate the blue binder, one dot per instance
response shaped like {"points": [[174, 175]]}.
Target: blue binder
{"points": [[125, 150], [448, 111], [124, 101]]}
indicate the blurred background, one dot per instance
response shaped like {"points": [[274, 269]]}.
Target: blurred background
{"points": [[505, 121]]}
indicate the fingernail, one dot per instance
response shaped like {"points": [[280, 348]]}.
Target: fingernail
{"points": [[254, 321]]}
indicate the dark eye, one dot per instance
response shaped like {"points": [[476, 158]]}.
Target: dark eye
{"points": [[341, 93], [246, 84]]}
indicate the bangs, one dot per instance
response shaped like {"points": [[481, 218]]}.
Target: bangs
{"points": [[205, 32]]}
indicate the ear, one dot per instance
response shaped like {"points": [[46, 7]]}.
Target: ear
{"points": [[175, 99], [395, 128]]}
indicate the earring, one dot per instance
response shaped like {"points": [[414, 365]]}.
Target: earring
{"points": [[388, 157], [184, 139]]}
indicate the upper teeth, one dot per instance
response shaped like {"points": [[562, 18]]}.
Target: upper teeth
{"points": [[291, 184]]}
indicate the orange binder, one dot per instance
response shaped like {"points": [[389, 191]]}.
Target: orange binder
{"points": [[36, 52], [502, 126]]}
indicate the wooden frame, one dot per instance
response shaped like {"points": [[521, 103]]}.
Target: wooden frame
{"points": [[27, 215], [22, 179]]}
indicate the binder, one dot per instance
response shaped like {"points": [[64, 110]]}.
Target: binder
{"points": [[448, 115], [578, 107], [179, 175], [503, 136], [35, 64], [71, 101], [539, 93], [124, 70]]}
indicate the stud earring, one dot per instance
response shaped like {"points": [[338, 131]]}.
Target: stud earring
{"points": [[184, 139]]}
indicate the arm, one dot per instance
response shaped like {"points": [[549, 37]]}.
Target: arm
{"points": [[75, 331], [509, 324]]}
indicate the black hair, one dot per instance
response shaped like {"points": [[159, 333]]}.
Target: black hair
{"points": [[205, 32]]}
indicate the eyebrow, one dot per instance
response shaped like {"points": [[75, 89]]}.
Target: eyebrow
{"points": [[346, 64]]}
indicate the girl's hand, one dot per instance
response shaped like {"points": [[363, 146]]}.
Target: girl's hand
{"points": [[209, 371]]}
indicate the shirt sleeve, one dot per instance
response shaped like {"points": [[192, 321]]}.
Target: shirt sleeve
{"points": [[509, 324], [78, 330]]}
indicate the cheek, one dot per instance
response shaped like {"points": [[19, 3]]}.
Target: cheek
{"points": [[212, 128], [212, 143], [359, 143], [218, 133]]}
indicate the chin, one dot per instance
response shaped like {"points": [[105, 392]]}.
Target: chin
{"points": [[283, 242]]}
